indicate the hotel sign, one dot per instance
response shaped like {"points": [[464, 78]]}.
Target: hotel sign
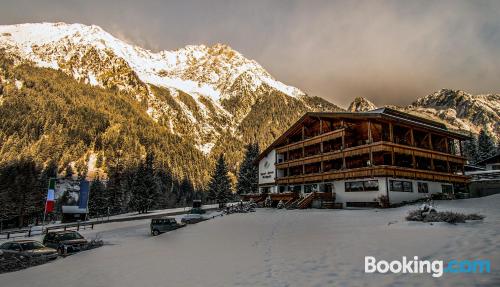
{"points": [[269, 173], [267, 169]]}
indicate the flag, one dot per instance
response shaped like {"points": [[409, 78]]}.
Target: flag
{"points": [[49, 204], [83, 199]]}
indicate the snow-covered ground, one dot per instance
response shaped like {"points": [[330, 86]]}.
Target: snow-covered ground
{"points": [[279, 248], [121, 217]]}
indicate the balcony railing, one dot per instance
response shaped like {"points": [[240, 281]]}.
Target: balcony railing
{"points": [[298, 147], [374, 147], [373, 171], [310, 141]]}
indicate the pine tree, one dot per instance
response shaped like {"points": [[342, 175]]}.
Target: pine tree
{"points": [[220, 184], [248, 175], [97, 198], [145, 187], [486, 145], [50, 171], [69, 171], [115, 188], [470, 149], [20, 188], [186, 191], [152, 182], [167, 197]]}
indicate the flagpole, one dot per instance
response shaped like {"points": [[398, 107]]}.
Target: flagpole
{"points": [[45, 206], [46, 198], [87, 205]]}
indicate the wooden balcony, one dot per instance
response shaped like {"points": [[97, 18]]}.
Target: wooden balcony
{"points": [[374, 171], [310, 141], [374, 147]]}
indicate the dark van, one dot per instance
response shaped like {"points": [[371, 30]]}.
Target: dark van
{"points": [[164, 224]]}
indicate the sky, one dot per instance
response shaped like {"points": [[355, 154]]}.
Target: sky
{"points": [[390, 52]]}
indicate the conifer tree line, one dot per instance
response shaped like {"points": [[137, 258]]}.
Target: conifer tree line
{"points": [[143, 188], [480, 147], [248, 175], [23, 187], [24, 184]]}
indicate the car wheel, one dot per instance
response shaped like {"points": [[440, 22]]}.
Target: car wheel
{"points": [[156, 232]]}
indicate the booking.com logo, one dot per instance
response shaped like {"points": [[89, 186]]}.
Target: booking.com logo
{"points": [[436, 267]]}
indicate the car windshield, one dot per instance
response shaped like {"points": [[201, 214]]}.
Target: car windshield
{"points": [[31, 245], [69, 236]]}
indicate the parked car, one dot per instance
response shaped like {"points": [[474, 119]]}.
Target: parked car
{"points": [[192, 218], [28, 248], [65, 241], [164, 224]]}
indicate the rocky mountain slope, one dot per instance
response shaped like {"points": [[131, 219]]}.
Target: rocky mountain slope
{"points": [[457, 109], [197, 91], [208, 96], [461, 110], [207, 99], [360, 104]]}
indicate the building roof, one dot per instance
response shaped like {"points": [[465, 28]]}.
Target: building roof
{"points": [[470, 168], [386, 113], [491, 159]]}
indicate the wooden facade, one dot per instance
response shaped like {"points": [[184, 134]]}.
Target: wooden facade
{"points": [[387, 143]]}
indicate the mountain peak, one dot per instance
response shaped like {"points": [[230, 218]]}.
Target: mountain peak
{"points": [[361, 104], [210, 88], [461, 110], [194, 69]]}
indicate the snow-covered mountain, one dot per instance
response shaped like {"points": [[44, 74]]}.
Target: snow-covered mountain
{"points": [[460, 110], [211, 95], [198, 91], [360, 104], [457, 109], [203, 70]]}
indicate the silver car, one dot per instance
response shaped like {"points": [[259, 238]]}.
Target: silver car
{"points": [[28, 249], [192, 218]]}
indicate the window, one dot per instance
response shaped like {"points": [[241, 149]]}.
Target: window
{"points": [[354, 186], [5, 246], [15, 247], [310, 188], [495, 167], [401, 185], [423, 187], [446, 188], [368, 185], [371, 185], [68, 236]]}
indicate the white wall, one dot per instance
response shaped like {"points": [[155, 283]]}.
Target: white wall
{"points": [[267, 169], [397, 197], [394, 196], [365, 196]]}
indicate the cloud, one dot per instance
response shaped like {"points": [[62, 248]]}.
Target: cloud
{"points": [[388, 51]]}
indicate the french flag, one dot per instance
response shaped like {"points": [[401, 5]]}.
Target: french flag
{"points": [[49, 204]]}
